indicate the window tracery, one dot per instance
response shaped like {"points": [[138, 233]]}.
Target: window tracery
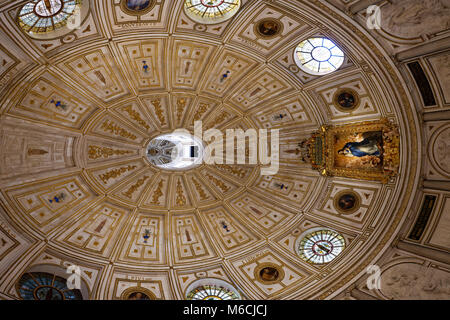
{"points": [[41, 17], [320, 246], [318, 56], [46, 286], [211, 11]]}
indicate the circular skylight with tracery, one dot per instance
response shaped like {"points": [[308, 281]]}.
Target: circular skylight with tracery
{"points": [[212, 289], [320, 246], [318, 56], [212, 292], [45, 286], [211, 11], [44, 16]]}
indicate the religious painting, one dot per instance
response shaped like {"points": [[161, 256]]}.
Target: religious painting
{"points": [[347, 202], [268, 27], [368, 150], [346, 100], [359, 150], [137, 293], [269, 273], [137, 6], [138, 296]]}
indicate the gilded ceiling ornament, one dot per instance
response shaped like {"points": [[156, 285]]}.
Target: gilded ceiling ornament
{"points": [[136, 116], [201, 192], [36, 152], [158, 193], [181, 105], [218, 183], [115, 173], [110, 126], [159, 111], [302, 150], [96, 152], [181, 199], [203, 107], [135, 187], [236, 171], [219, 119]]}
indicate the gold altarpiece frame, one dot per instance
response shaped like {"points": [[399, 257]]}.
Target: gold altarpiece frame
{"points": [[366, 150]]}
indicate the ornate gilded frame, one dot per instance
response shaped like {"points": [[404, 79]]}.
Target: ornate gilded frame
{"points": [[322, 151]]}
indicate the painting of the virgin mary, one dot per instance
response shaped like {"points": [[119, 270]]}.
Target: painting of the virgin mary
{"points": [[359, 150], [367, 147]]}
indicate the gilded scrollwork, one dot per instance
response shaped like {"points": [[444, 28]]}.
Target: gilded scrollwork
{"points": [[96, 152]]}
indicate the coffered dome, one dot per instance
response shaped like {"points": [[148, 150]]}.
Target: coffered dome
{"points": [[93, 175]]}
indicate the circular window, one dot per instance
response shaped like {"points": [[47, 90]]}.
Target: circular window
{"points": [[318, 56], [49, 18], [212, 289], [45, 286], [175, 151], [320, 245], [211, 11]]}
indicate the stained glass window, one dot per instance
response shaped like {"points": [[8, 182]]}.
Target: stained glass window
{"points": [[320, 246], [45, 286], [211, 11], [212, 292], [44, 16], [318, 56]]}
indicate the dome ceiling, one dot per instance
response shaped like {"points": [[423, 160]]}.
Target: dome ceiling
{"points": [[82, 108]]}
